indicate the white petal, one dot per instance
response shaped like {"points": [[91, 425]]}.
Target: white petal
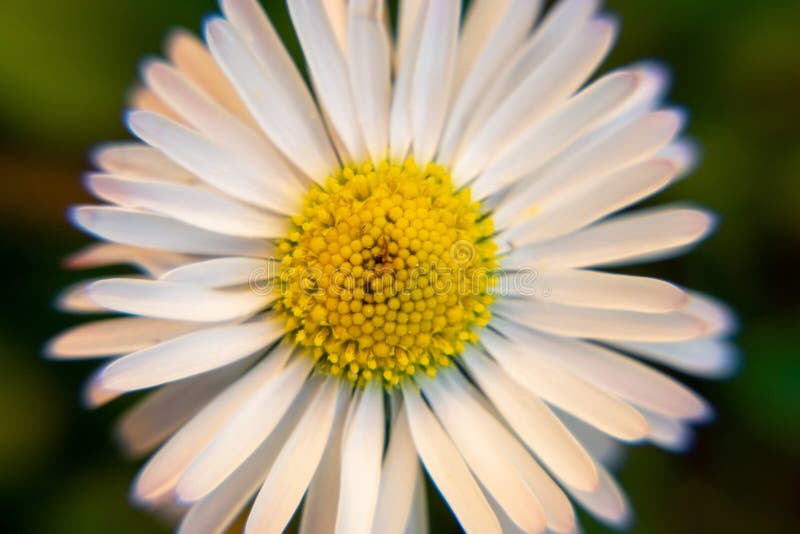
{"points": [[706, 358], [560, 26], [720, 318], [171, 300], [533, 421], [93, 393], [418, 518], [596, 323], [139, 160], [492, 32], [191, 204], [286, 114], [684, 154], [296, 464], [475, 433], [625, 238], [411, 13], [154, 262], [225, 272], [189, 355], [594, 289], [76, 298], [600, 446], [217, 166], [362, 452], [398, 480], [433, 76], [193, 59], [328, 68], [155, 418], [581, 167], [531, 369], [218, 125], [369, 52], [580, 206], [543, 139], [216, 511], [447, 469], [322, 497], [115, 336], [244, 432], [160, 475], [141, 229], [621, 376], [543, 89], [554, 503], [607, 502]]}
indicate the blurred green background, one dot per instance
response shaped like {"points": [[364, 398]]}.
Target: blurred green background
{"points": [[65, 68]]}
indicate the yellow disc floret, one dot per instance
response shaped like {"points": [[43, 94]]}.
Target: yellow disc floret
{"points": [[387, 272]]}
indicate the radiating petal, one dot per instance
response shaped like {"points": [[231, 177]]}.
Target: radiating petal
{"points": [[559, 387], [290, 474], [362, 452], [706, 357], [244, 432], [607, 502], [225, 272], [154, 262], [147, 230], [135, 159], [189, 355], [172, 300], [447, 469]]}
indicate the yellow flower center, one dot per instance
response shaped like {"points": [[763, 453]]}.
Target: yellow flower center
{"points": [[387, 272]]}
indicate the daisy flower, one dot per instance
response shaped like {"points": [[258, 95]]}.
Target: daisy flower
{"points": [[392, 269]]}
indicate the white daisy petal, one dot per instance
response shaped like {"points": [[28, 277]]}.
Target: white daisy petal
{"points": [[328, 68], [475, 437], [607, 502], [94, 395], [555, 505], [594, 289], [214, 164], [706, 358], [597, 323], [189, 355], [418, 518], [624, 238], [578, 207], [369, 55], [160, 475], [398, 480], [447, 469], [287, 116], [559, 26], [600, 446], [582, 166], [720, 318], [193, 59], [180, 302], [148, 230], [433, 76], [115, 336], [621, 376], [76, 298], [533, 421], [545, 138], [244, 432], [684, 154], [294, 467], [137, 160], [362, 452], [492, 32], [559, 387], [546, 87], [409, 33], [153, 262], [190, 204], [164, 411], [219, 125], [224, 272], [668, 433], [216, 511], [322, 497]]}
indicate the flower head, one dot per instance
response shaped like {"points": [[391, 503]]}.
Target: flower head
{"points": [[398, 263]]}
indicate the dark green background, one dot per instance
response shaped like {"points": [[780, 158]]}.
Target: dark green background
{"points": [[65, 67]]}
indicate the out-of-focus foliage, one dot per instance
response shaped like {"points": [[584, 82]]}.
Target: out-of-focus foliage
{"points": [[65, 68]]}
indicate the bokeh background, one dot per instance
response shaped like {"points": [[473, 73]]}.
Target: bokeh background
{"points": [[65, 68]]}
